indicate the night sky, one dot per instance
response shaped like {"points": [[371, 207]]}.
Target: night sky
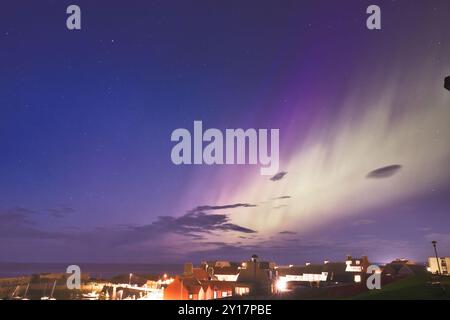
{"points": [[86, 118]]}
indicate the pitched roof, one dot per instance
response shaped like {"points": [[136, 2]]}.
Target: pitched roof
{"points": [[336, 272], [293, 271], [392, 267], [200, 274], [226, 270], [251, 274], [336, 267], [314, 269], [361, 260], [192, 285]]}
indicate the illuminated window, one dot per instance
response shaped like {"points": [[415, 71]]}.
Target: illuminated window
{"points": [[242, 290], [357, 262], [191, 296], [357, 278], [224, 294]]}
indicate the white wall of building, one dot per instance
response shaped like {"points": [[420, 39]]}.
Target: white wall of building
{"points": [[444, 263], [226, 277]]}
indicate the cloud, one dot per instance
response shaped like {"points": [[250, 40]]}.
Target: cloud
{"points": [[227, 206], [384, 172], [278, 176], [16, 223], [195, 224], [287, 232]]}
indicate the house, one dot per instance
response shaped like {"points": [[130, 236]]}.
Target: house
{"points": [[439, 265], [401, 268], [228, 273], [315, 273], [287, 277], [198, 273], [194, 289], [199, 284], [358, 267], [391, 270], [290, 274], [221, 270], [255, 277], [221, 263], [185, 289], [207, 290], [243, 288], [352, 270], [336, 272], [220, 289]]}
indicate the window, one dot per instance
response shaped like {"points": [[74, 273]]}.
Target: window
{"points": [[224, 294], [242, 290], [191, 296], [357, 278], [357, 262]]}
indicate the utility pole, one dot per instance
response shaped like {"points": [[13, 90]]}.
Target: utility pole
{"points": [[436, 254]]}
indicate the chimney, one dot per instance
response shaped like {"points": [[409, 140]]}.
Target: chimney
{"points": [[188, 269]]}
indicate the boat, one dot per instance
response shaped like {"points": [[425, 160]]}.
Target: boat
{"points": [[51, 295], [15, 295], [44, 297], [26, 291], [90, 296]]}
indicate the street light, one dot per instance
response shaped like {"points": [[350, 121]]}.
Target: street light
{"points": [[436, 254]]}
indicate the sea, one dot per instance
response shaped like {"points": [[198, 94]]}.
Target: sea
{"points": [[95, 270]]}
